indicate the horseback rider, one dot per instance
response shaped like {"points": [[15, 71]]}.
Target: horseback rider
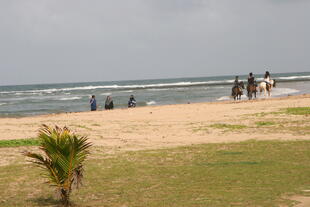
{"points": [[236, 84], [251, 79], [267, 79], [251, 87]]}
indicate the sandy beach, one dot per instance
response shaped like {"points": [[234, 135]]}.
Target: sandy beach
{"points": [[173, 125]]}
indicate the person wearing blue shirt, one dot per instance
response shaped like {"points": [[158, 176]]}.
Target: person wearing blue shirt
{"points": [[93, 103]]}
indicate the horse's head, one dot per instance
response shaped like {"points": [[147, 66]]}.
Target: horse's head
{"points": [[274, 83], [241, 84]]}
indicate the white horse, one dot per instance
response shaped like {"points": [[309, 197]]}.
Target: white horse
{"points": [[263, 86]]}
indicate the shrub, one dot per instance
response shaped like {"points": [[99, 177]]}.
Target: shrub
{"points": [[63, 155]]}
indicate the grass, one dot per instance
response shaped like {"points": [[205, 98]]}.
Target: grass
{"points": [[228, 126], [249, 173], [298, 111], [265, 123], [19, 142], [201, 129], [289, 111]]}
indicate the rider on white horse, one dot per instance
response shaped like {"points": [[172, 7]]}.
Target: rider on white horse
{"points": [[267, 79]]}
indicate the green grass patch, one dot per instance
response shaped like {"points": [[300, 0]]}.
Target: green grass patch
{"points": [[19, 142], [298, 111], [201, 129], [265, 123], [228, 126], [264, 114], [242, 174]]}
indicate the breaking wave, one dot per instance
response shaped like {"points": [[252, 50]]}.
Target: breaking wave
{"points": [[154, 87], [70, 98], [151, 103]]}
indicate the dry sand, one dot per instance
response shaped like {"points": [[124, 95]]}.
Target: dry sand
{"points": [[167, 126]]}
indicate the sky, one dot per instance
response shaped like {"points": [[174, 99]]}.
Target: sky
{"points": [[57, 41]]}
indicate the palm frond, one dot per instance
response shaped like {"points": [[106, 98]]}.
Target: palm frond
{"points": [[63, 155]]}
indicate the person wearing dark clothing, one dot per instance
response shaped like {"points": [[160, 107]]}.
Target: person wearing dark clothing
{"points": [[251, 79], [236, 84], [108, 103], [132, 102], [93, 103], [251, 87]]}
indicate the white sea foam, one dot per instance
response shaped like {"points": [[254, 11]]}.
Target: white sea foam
{"points": [[106, 94], [129, 91], [283, 91], [158, 89], [1, 104], [223, 98], [159, 85], [295, 77], [151, 102], [70, 98], [18, 94]]}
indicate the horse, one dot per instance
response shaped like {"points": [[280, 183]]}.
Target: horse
{"points": [[237, 91], [251, 88], [266, 87]]}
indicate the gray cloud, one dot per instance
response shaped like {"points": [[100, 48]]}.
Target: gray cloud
{"points": [[77, 40]]}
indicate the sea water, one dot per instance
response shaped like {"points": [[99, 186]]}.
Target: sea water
{"points": [[25, 100]]}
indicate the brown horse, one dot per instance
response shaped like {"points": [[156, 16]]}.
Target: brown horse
{"points": [[251, 88], [237, 91]]}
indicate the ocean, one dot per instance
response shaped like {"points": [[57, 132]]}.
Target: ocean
{"points": [[28, 100]]}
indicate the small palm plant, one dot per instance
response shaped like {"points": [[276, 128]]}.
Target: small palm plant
{"points": [[62, 161]]}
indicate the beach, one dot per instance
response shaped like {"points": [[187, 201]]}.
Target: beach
{"points": [[153, 127], [231, 152]]}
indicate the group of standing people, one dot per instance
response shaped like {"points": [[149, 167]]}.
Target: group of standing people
{"points": [[109, 103]]}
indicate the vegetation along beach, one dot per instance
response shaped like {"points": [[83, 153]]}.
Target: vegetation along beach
{"points": [[231, 153]]}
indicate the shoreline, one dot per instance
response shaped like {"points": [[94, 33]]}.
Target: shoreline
{"points": [[176, 104], [154, 127]]}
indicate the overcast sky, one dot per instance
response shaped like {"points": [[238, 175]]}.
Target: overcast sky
{"points": [[49, 41]]}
